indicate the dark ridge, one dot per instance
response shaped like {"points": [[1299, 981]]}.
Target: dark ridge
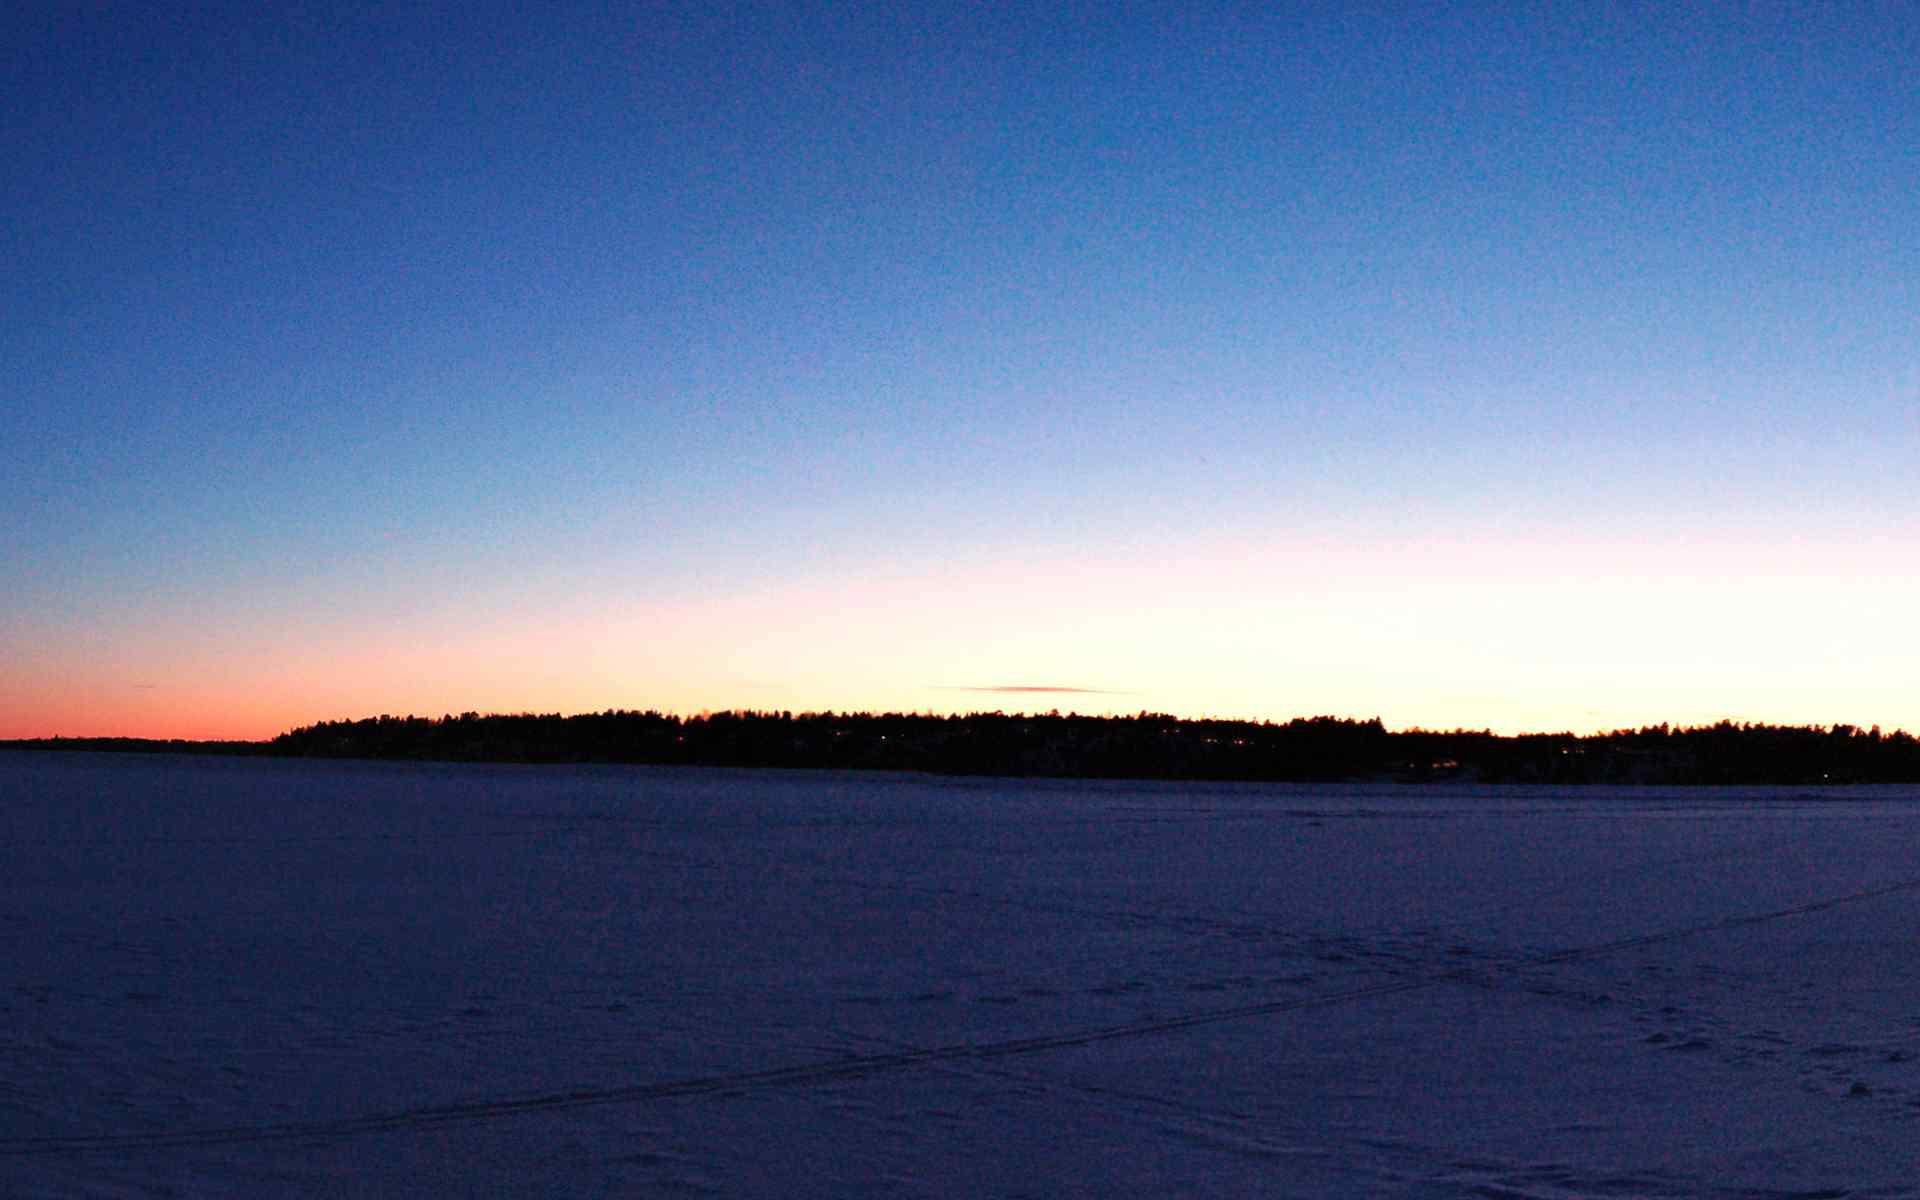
{"points": [[129, 745], [1144, 746]]}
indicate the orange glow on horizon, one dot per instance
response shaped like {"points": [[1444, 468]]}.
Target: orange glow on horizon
{"points": [[1515, 635]]}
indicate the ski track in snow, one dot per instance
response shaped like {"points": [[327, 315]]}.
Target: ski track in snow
{"points": [[804, 1074], [1415, 1016]]}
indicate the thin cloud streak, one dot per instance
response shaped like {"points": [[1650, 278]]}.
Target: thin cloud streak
{"points": [[1021, 689]]}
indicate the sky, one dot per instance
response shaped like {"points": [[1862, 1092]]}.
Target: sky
{"points": [[1532, 367]]}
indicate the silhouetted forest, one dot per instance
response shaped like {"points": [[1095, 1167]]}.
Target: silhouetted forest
{"points": [[1146, 746]]}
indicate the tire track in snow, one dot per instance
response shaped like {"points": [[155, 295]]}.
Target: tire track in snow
{"points": [[855, 1067]]}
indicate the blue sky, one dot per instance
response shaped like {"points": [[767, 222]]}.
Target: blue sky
{"points": [[379, 325]]}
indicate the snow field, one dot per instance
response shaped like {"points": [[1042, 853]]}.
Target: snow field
{"points": [[226, 977]]}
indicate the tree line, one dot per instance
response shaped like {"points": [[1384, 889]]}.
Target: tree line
{"points": [[1142, 746]]}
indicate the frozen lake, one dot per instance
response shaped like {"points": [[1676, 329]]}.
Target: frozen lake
{"points": [[224, 977]]}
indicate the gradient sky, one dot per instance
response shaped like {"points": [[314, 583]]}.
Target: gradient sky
{"points": [[1524, 367]]}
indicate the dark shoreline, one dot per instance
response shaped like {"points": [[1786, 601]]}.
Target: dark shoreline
{"points": [[1145, 746]]}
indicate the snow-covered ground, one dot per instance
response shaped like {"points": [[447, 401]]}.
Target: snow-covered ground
{"points": [[225, 977]]}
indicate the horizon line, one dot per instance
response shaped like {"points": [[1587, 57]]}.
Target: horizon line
{"points": [[704, 714]]}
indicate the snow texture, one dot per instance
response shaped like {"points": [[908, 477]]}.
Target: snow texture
{"points": [[230, 977]]}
